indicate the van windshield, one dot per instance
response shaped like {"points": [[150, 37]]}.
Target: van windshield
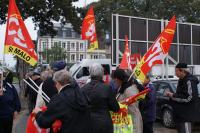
{"points": [[74, 68]]}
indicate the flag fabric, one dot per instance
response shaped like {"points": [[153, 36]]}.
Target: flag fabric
{"points": [[157, 52], [18, 40], [32, 126], [126, 61], [122, 121], [135, 98], [135, 59], [88, 30]]}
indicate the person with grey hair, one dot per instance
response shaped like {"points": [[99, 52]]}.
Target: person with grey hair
{"points": [[102, 101], [70, 106], [185, 101]]}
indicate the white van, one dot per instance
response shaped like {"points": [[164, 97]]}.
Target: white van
{"points": [[80, 70]]}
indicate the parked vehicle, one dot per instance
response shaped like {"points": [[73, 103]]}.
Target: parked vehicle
{"points": [[163, 107], [80, 70]]}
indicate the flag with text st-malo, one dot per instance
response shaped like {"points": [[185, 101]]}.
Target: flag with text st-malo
{"points": [[88, 30], [157, 52], [18, 40]]}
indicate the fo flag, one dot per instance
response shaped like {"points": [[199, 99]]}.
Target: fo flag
{"points": [[89, 30], [18, 40], [157, 52]]}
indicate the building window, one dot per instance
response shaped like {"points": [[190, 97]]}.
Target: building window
{"points": [[55, 44], [44, 44], [81, 46], [72, 46], [95, 56], [81, 56], [72, 57], [63, 44]]}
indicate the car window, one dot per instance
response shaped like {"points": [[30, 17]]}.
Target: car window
{"points": [[161, 86], [198, 88]]}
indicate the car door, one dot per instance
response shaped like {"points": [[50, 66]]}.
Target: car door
{"points": [[161, 99]]}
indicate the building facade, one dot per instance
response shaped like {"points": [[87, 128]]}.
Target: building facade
{"points": [[75, 49], [67, 39]]}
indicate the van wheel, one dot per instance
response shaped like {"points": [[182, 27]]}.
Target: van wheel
{"points": [[167, 118]]}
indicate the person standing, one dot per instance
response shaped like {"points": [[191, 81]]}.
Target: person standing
{"points": [[9, 107], [102, 100], [185, 100], [32, 95], [148, 106], [126, 89], [70, 106]]}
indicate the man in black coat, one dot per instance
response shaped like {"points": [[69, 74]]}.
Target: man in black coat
{"points": [[185, 101], [70, 106]]}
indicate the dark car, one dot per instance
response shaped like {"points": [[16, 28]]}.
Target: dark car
{"points": [[163, 107]]}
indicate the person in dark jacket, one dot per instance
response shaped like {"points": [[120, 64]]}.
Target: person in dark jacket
{"points": [[148, 106], [102, 101], [185, 100], [48, 86], [70, 106], [32, 95], [9, 107]]}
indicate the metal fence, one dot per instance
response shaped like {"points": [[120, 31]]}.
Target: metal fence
{"points": [[142, 32]]}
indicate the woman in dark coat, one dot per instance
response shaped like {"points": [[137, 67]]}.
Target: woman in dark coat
{"points": [[102, 101]]}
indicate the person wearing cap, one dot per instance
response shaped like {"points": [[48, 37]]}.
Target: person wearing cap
{"points": [[48, 86], [185, 100], [9, 106]]}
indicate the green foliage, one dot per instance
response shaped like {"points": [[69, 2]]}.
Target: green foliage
{"points": [[54, 54], [185, 10]]}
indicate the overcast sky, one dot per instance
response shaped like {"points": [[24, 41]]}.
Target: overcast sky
{"points": [[32, 32]]}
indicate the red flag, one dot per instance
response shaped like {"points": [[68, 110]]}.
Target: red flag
{"points": [[126, 62], [89, 29], [135, 59], [157, 52], [18, 40], [32, 126], [136, 97]]}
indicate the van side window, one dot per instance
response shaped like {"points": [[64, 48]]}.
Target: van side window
{"points": [[83, 72], [106, 68]]}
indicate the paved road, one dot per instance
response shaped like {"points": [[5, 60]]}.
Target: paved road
{"points": [[20, 125]]}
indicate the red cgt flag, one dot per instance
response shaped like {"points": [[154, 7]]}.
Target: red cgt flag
{"points": [[126, 61], [157, 52], [18, 40], [88, 30]]}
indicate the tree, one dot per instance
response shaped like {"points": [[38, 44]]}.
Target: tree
{"points": [[185, 10], [43, 12], [54, 54]]}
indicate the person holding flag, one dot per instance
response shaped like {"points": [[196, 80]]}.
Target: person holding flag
{"points": [[70, 106], [127, 89], [148, 106]]}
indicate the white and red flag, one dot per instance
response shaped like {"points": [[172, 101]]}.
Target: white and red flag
{"points": [[18, 40], [88, 30], [157, 52]]}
